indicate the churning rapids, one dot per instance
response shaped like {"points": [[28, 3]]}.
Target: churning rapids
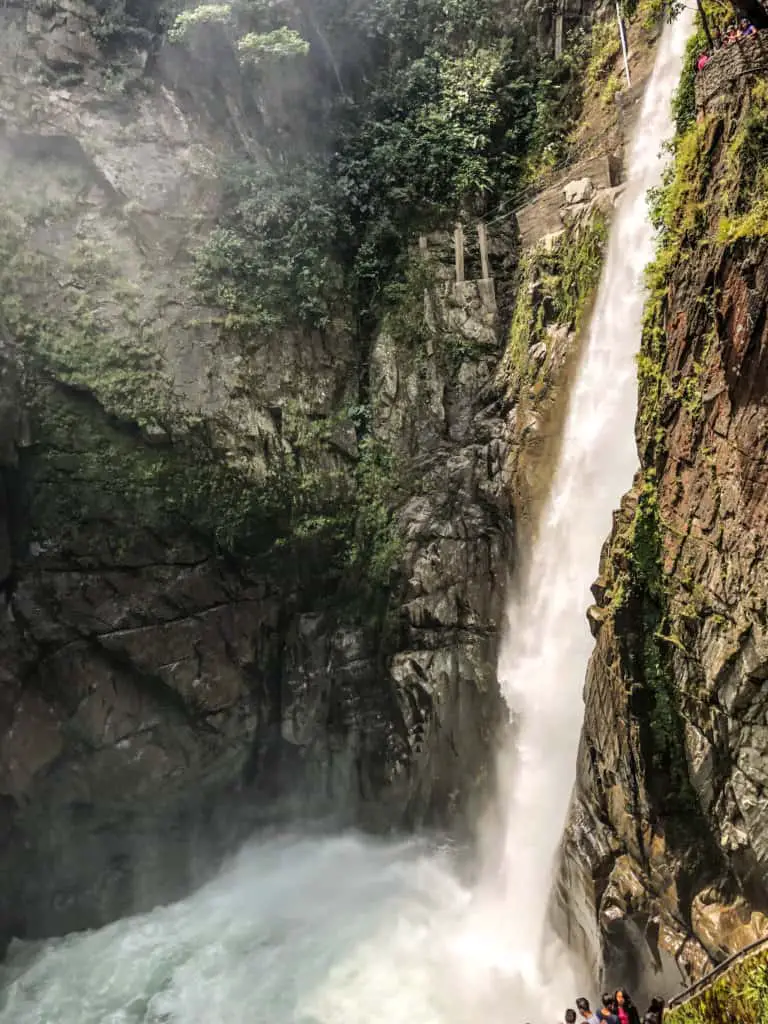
{"points": [[344, 930]]}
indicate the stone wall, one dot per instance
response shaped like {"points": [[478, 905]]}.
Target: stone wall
{"points": [[728, 68]]}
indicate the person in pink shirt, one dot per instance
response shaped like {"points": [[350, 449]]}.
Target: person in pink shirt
{"points": [[624, 1008], [702, 61]]}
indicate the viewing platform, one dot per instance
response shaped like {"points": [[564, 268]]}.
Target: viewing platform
{"points": [[732, 66]]}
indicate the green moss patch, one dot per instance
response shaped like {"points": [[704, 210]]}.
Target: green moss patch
{"points": [[556, 286], [122, 469], [640, 603], [95, 482], [745, 185], [738, 996]]}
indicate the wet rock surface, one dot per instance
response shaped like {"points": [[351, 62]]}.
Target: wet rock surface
{"points": [[665, 862], [159, 698]]}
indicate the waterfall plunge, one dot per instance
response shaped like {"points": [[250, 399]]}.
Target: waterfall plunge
{"points": [[548, 643], [349, 931]]}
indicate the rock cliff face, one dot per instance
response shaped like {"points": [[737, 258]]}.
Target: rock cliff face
{"points": [[665, 859], [240, 578], [186, 641]]}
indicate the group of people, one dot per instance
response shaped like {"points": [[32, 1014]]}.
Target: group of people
{"points": [[615, 1009], [733, 34]]}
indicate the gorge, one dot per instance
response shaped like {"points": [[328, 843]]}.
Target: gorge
{"points": [[255, 562]]}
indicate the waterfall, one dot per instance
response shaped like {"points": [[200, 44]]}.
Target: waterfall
{"points": [[344, 930], [547, 644]]}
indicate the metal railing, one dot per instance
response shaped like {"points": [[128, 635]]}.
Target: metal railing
{"points": [[709, 979]]}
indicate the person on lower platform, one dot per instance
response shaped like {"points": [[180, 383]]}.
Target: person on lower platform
{"points": [[655, 1012], [606, 1013], [624, 1008], [582, 1005]]}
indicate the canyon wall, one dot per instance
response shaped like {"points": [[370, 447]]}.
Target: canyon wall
{"points": [[665, 850], [244, 576], [222, 602]]}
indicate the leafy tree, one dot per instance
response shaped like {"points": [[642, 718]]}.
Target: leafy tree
{"points": [[280, 42], [429, 108], [270, 260], [251, 25]]}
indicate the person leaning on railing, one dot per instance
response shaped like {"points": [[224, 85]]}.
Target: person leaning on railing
{"points": [[655, 1012], [733, 34]]}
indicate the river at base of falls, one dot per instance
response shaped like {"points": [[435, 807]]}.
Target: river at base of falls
{"points": [[339, 930]]}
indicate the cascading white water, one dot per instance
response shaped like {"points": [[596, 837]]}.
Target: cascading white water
{"points": [[348, 931], [548, 643]]}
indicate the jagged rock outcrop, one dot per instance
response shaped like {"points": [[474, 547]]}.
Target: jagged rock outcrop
{"points": [[177, 658], [665, 862]]}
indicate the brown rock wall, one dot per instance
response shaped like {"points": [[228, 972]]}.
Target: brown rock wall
{"points": [[668, 834]]}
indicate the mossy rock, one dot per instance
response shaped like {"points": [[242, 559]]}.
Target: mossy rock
{"points": [[556, 286], [738, 996]]}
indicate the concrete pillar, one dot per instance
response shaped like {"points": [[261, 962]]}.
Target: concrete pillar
{"points": [[559, 33], [482, 237], [429, 316], [458, 243], [559, 12]]}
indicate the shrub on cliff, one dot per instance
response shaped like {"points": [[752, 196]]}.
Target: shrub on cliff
{"points": [[427, 110], [739, 996]]}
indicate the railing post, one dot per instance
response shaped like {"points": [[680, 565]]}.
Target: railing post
{"points": [[458, 243], [559, 18], [482, 237]]}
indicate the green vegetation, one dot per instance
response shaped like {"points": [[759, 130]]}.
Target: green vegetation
{"points": [[267, 262], [417, 319], [745, 185], [274, 42], [405, 117], [606, 46], [376, 545], [738, 996], [69, 338], [679, 212], [282, 42], [556, 286], [125, 23], [641, 607], [611, 88], [205, 14], [684, 210], [684, 102], [90, 475], [120, 463], [651, 610], [651, 12]]}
